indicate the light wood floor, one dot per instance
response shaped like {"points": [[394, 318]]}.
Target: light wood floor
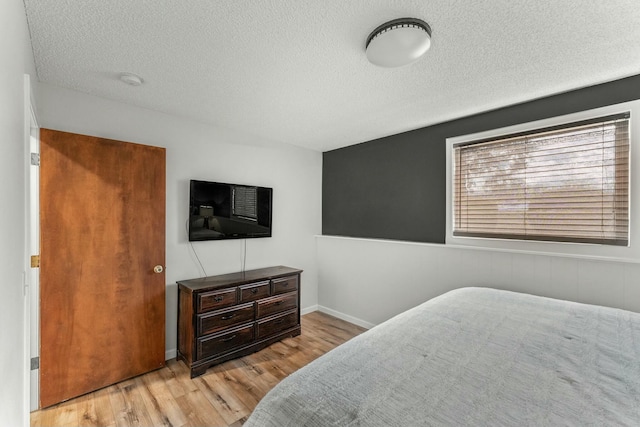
{"points": [[224, 396]]}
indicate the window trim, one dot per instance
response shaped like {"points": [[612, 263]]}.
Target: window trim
{"points": [[631, 252]]}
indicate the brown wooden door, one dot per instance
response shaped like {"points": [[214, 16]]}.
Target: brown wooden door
{"points": [[102, 222]]}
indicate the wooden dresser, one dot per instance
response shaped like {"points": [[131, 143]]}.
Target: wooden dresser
{"points": [[232, 315]]}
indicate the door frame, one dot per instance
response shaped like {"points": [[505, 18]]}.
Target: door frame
{"points": [[31, 276]]}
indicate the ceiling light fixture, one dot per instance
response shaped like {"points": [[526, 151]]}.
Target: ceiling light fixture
{"points": [[398, 42], [131, 79]]}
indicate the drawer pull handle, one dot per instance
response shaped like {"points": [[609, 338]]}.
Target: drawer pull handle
{"points": [[228, 338], [218, 298], [279, 321], [227, 317], [254, 291], [280, 302]]}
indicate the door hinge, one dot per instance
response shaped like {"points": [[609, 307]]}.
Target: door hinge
{"points": [[35, 363], [35, 261], [35, 159]]}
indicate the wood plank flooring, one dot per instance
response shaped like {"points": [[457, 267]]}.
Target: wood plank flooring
{"points": [[224, 396]]}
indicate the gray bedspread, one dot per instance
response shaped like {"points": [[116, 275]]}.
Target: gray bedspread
{"points": [[470, 357]]}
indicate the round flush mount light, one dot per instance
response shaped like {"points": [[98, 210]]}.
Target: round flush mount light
{"points": [[398, 42], [131, 79]]}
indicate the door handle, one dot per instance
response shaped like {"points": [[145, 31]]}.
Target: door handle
{"points": [[158, 269]]}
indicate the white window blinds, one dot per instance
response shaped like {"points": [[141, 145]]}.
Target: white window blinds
{"points": [[567, 183]]}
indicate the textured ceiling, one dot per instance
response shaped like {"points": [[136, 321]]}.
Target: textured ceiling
{"points": [[296, 71]]}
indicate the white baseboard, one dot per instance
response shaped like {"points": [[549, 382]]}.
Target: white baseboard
{"points": [[308, 310], [170, 354], [350, 319]]}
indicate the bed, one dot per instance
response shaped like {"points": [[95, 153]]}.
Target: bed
{"points": [[473, 356]]}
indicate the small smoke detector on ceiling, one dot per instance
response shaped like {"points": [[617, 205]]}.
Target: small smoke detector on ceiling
{"points": [[398, 42], [131, 79]]}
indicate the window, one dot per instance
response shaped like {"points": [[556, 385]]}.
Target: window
{"points": [[565, 183]]}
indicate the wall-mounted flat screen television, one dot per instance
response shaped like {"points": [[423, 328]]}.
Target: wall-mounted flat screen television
{"points": [[219, 211]]}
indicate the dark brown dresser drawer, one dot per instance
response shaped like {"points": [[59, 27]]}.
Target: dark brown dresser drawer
{"points": [[254, 291], [276, 304], [219, 343], [220, 319], [216, 299], [276, 324], [284, 284]]}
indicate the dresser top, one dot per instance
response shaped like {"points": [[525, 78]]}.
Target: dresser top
{"points": [[239, 278]]}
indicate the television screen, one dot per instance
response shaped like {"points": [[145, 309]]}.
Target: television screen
{"points": [[220, 211]]}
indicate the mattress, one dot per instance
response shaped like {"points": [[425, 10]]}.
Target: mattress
{"points": [[473, 356]]}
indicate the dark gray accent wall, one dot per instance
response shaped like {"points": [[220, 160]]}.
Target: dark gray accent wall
{"points": [[394, 187]]}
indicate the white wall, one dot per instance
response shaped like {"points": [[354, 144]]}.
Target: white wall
{"points": [[369, 281], [16, 59], [199, 151]]}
